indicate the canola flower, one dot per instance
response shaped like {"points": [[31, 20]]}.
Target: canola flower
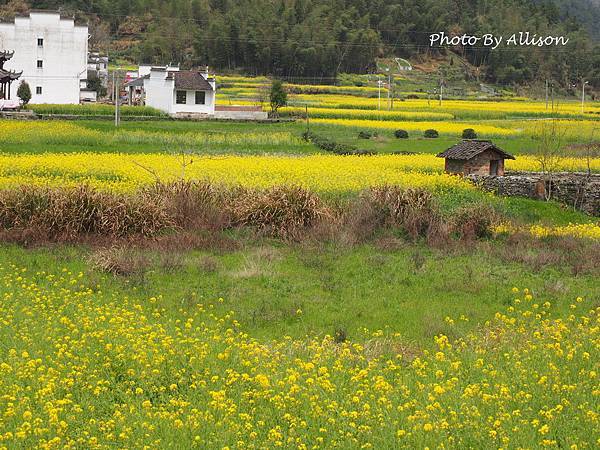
{"points": [[579, 230], [83, 369], [321, 173], [338, 113], [472, 107]]}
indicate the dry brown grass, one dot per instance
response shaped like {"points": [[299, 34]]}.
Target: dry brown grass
{"points": [[67, 213], [283, 211], [474, 221], [414, 211], [119, 260]]}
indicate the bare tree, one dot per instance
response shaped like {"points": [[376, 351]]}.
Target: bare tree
{"points": [[549, 138], [591, 151]]}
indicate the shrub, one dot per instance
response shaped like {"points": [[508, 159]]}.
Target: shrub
{"points": [[331, 146], [474, 221], [412, 210], [469, 133], [412, 96], [281, 211], [24, 92], [431, 134], [365, 135], [401, 134], [194, 204], [72, 212]]}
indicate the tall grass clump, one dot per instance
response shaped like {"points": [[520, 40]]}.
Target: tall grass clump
{"points": [[72, 212], [282, 211], [414, 211]]}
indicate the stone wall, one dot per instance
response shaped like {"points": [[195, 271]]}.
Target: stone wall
{"points": [[579, 190]]}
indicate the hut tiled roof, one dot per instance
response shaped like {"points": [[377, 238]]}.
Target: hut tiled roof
{"points": [[190, 80], [470, 148]]}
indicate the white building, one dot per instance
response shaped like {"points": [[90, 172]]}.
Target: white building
{"points": [[177, 92], [52, 52]]}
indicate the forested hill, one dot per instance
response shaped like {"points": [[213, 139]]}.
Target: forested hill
{"points": [[320, 38]]}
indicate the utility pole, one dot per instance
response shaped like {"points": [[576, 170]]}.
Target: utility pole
{"points": [[389, 89], [379, 94], [441, 90], [546, 93], [392, 89], [307, 121], [116, 98]]}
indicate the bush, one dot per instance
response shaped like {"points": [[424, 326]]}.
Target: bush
{"points": [[469, 133], [412, 210], [412, 96], [332, 146], [365, 135], [401, 134], [282, 211], [431, 134], [474, 221], [24, 92], [73, 212]]}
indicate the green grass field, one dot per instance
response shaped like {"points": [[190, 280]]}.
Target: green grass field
{"points": [[392, 285]]}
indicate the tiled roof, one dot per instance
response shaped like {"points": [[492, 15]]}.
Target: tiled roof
{"points": [[469, 148], [190, 80], [8, 75], [137, 81]]}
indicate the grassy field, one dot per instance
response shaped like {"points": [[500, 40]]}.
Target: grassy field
{"points": [[252, 138], [280, 347], [278, 295], [390, 285]]}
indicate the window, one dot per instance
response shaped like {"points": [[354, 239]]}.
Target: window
{"points": [[40, 64], [38, 90], [40, 42], [200, 97], [181, 97]]}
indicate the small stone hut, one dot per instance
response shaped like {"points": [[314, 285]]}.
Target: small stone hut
{"points": [[475, 157]]}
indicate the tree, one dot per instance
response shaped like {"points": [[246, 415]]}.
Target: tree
{"points": [[550, 136], [24, 92], [277, 97]]}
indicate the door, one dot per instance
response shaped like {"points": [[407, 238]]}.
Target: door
{"points": [[494, 167]]}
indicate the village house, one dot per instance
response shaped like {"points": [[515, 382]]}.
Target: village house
{"points": [[51, 51], [177, 92], [475, 157]]}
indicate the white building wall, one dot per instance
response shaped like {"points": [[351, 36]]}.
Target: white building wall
{"points": [[191, 107], [159, 91], [63, 54]]}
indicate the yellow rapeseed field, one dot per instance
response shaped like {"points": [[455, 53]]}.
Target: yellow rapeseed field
{"points": [[369, 114], [526, 108], [81, 368], [579, 230], [125, 172], [322, 173]]}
